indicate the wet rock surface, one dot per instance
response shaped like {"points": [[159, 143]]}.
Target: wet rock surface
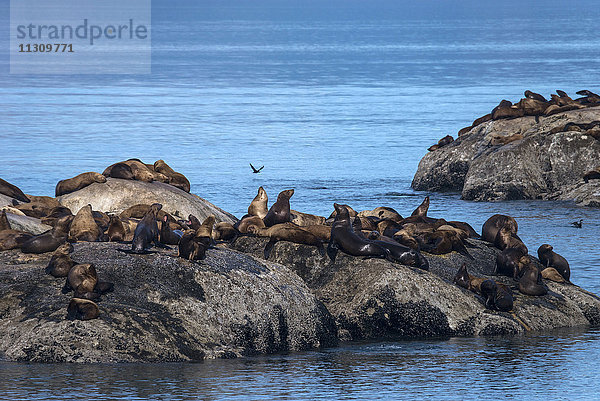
{"points": [[163, 308], [547, 163]]}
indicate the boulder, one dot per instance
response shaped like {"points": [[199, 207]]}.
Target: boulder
{"points": [[547, 163], [373, 299], [163, 308], [27, 224], [116, 195]]}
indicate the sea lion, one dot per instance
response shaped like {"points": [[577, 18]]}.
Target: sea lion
{"points": [[442, 242], [497, 139], [50, 240], [442, 142], [194, 223], [402, 254], [497, 295], [550, 273], [506, 110], [176, 179], [351, 212], [243, 225], [345, 239], [382, 212], [305, 219], [225, 232], [140, 210], [511, 262], [320, 231], [84, 227], [466, 227], [589, 98], [421, 211], [531, 282], [34, 209], [533, 107], [4, 223], [12, 191], [13, 239], [206, 228], [146, 231], [433, 147], [55, 214], [592, 175], [194, 243], [535, 96], [488, 289], [116, 230], [506, 238], [79, 181], [258, 206], [138, 169], [290, 233], [494, 224], [549, 258], [82, 278], [82, 309], [119, 170], [463, 279], [102, 219], [481, 120], [140, 166], [61, 263], [280, 210], [168, 236], [47, 201]]}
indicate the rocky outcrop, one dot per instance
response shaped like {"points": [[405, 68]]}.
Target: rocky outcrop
{"points": [[373, 299], [547, 160], [116, 195], [163, 308], [27, 224]]}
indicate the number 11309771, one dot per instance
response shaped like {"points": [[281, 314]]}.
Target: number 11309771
{"points": [[46, 48]]}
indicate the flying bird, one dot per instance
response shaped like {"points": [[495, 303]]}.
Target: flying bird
{"points": [[577, 224], [255, 171]]}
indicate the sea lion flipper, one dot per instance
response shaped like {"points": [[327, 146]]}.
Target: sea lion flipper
{"points": [[321, 249], [67, 287], [269, 248], [332, 251]]}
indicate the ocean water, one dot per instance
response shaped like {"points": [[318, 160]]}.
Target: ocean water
{"points": [[339, 101]]}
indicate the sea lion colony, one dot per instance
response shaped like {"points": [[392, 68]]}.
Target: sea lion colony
{"points": [[534, 104], [379, 233]]}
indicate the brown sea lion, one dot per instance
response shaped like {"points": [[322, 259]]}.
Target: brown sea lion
{"points": [[462, 131], [168, 236], [463, 279], [4, 223], [533, 107], [102, 219], [50, 240], [494, 224], [506, 238], [55, 214], [351, 212], [34, 209], [592, 175], [442, 242], [258, 206], [549, 258], [13, 239], [82, 278], [511, 262], [116, 230], [550, 273], [481, 120], [146, 233], [466, 227], [442, 142], [138, 169], [82, 309], [535, 96], [504, 139], [320, 231], [176, 179], [224, 231], [285, 232], [305, 219], [280, 211], [79, 181], [194, 223], [345, 239], [506, 110], [140, 210], [84, 227], [421, 211], [61, 263], [206, 228], [531, 282], [46, 201], [382, 212], [119, 170], [192, 247], [243, 225], [12, 191]]}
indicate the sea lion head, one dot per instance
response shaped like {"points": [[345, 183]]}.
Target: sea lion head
{"points": [[461, 278], [154, 209], [262, 194], [285, 195], [97, 177]]}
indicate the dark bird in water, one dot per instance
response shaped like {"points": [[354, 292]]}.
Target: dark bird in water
{"points": [[577, 224], [255, 170]]}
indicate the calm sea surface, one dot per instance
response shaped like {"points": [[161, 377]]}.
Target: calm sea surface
{"points": [[338, 100]]}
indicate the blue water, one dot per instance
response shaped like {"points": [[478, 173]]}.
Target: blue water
{"points": [[340, 101]]}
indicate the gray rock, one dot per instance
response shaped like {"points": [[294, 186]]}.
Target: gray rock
{"points": [[163, 308], [116, 195], [373, 299], [539, 166], [27, 224], [5, 200]]}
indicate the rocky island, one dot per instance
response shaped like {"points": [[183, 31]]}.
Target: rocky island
{"points": [[237, 299]]}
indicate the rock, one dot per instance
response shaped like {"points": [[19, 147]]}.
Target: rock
{"points": [[6, 200], [374, 299], [116, 195], [163, 308], [27, 224], [542, 165]]}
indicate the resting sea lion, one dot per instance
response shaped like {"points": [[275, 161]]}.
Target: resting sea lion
{"points": [[504, 140], [50, 240], [402, 254], [592, 175], [146, 231], [116, 229], [258, 206], [345, 239], [79, 181], [194, 243], [176, 179], [243, 225], [61, 263], [84, 227], [225, 232], [511, 262], [494, 224], [506, 238], [82, 309], [119, 170], [4, 223], [531, 282], [536, 96], [12, 191], [280, 210], [550, 273], [305, 219], [381, 212], [351, 212], [549, 258], [463, 279], [442, 242], [286, 232], [82, 278], [55, 214]]}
